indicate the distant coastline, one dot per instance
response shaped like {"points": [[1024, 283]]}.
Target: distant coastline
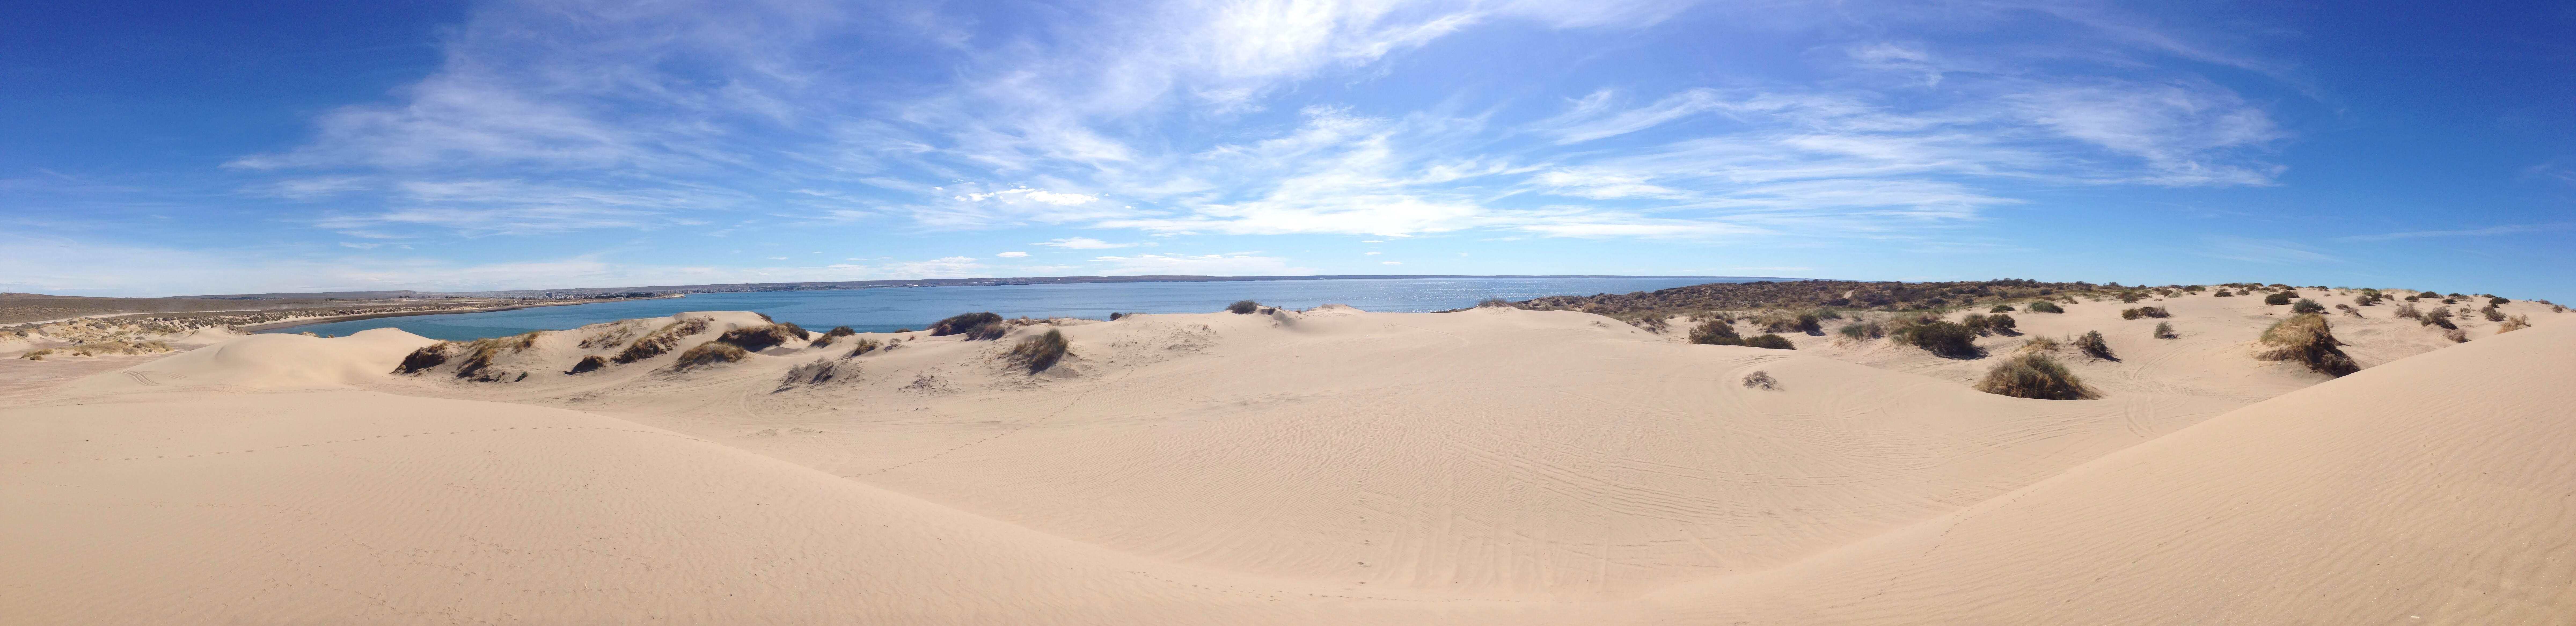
{"points": [[580, 292]]}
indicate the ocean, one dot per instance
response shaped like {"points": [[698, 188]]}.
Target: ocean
{"points": [[889, 309]]}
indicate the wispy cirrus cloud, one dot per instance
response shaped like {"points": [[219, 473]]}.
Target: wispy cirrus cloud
{"points": [[2509, 229]]}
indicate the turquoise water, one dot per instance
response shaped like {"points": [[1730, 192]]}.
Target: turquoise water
{"points": [[882, 310]]}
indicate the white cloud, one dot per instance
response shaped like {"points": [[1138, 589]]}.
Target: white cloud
{"points": [[2509, 229], [1012, 255], [1243, 264], [1084, 243]]}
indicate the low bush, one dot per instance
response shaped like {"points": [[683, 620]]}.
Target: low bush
{"points": [[2001, 308], [2222, 293], [2003, 324], [2130, 314], [2492, 314], [2164, 330], [588, 364], [837, 332], [2154, 311], [763, 337], [1786, 322], [2305, 305], [1496, 303], [1940, 338], [2130, 297], [864, 346], [1774, 342], [2456, 335], [2408, 311], [39, 355], [2093, 345], [1040, 352], [2308, 339], [1715, 333], [1652, 322], [988, 332], [2513, 323], [1977, 323], [1243, 307], [960, 323], [2498, 300], [1761, 380], [2045, 306], [709, 353], [2035, 376], [2040, 344], [2277, 299]]}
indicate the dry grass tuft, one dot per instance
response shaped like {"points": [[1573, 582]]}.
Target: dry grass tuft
{"points": [[864, 346], [709, 353], [661, 340], [2035, 376], [2456, 335], [818, 372], [836, 333], [1761, 380], [2513, 323], [1040, 352], [480, 352], [2093, 345], [2408, 311], [2308, 339], [36, 355], [2164, 330], [2438, 317], [588, 364]]}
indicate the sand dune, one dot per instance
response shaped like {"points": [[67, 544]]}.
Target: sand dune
{"points": [[1332, 466]]}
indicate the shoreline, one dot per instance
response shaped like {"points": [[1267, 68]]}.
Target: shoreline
{"points": [[285, 324]]}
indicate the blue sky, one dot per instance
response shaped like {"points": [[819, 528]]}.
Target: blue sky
{"points": [[181, 148]]}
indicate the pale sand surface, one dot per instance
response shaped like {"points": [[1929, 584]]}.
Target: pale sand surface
{"points": [[1332, 466]]}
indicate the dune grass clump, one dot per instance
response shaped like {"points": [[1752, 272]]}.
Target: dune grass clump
{"points": [[1774, 342], [36, 355], [2222, 293], [1040, 352], [2045, 306], [2093, 345], [1715, 333], [1940, 338], [2003, 324], [588, 364], [1786, 322], [960, 323], [2035, 376], [480, 352], [818, 372], [763, 337], [1761, 380], [2040, 344], [2408, 311], [1650, 321], [2164, 330], [661, 340], [864, 346], [2513, 323], [709, 353], [429, 356], [2456, 335], [2348, 310], [2001, 308], [1977, 323], [2305, 305], [2492, 314], [1243, 307], [1862, 331], [2277, 299], [2308, 339], [2438, 317], [828, 337]]}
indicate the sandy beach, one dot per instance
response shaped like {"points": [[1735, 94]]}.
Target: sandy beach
{"points": [[1495, 465]]}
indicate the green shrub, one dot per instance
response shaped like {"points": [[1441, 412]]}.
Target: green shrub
{"points": [[1715, 333], [1774, 342], [2492, 314], [2438, 317], [1243, 307], [1940, 338], [962, 322], [2000, 308], [2129, 297], [2164, 330], [2044, 306], [763, 337], [988, 332], [1040, 352], [2002, 323], [2222, 293], [1976, 322], [1785, 322], [2093, 345], [2277, 299], [2035, 376], [2308, 339], [2154, 311], [2129, 314], [2305, 305]]}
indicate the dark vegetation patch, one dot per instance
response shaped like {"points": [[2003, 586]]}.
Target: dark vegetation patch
{"points": [[2278, 299], [1774, 342], [960, 323], [1715, 333], [1939, 337], [2308, 339], [763, 337], [2305, 305], [836, 333], [588, 364], [818, 372], [2164, 330], [1243, 307], [429, 356], [2035, 376], [1761, 380], [864, 346], [2046, 307]]}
